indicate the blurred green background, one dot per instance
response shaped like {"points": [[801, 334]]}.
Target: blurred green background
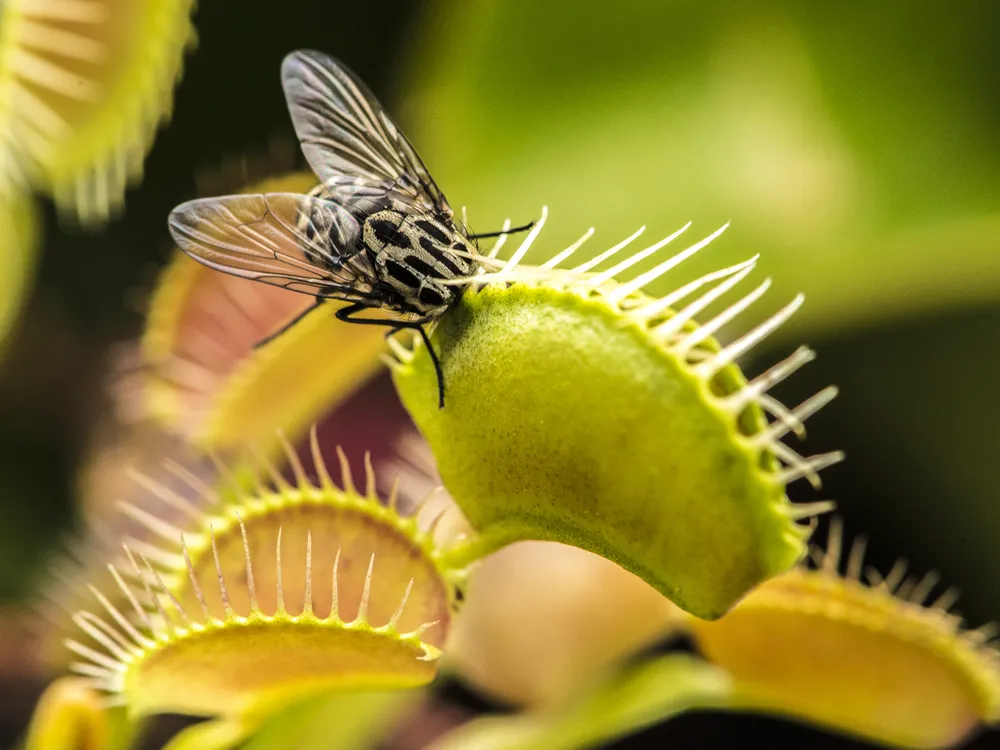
{"points": [[853, 144]]}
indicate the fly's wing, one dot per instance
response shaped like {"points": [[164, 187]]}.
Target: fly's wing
{"points": [[298, 242], [352, 144]]}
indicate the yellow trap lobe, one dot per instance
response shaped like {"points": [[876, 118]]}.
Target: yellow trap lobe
{"points": [[281, 593]]}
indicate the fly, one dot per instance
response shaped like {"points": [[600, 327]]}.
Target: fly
{"points": [[376, 233]]}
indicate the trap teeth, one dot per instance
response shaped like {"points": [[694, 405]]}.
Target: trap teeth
{"points": [[582, 411], [266, 594], [181, 661]]}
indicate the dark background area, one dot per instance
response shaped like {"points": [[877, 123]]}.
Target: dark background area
{"points": [[90, 286]]}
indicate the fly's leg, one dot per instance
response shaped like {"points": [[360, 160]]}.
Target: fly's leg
{"points": [[271, 336], [515, 230], [434, 359], [346, 314]]}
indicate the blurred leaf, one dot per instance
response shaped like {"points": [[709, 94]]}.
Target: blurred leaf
{"points": [[338, 721], [335, 721], [856, 150], [916, 420], [624, 704], [18, 248], [215, 734], [92, 82], [70, 714]]}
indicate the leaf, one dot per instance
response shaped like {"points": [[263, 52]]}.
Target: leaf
{"points": [[626, 703]]}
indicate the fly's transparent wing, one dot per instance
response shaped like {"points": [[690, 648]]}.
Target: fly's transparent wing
{"points": [[351, 143], [298, 242]]}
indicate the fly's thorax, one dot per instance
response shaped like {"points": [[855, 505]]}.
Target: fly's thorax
{"points": [[323, 223], [319, 191], [414, 254]]}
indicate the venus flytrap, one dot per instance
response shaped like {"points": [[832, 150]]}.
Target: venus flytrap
{"points": [[197, 664], [582, 411], [858, 653], [238, 606], [83, 88], [874, 659], [600, 427], [280, 514]]}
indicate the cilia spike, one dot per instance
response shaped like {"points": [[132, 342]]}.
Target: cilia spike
{"points": [[674, 328], [139, 663]]}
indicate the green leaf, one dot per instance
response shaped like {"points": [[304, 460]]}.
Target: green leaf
{"points": [[337, 721], [626, 703], [18, 247]]}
